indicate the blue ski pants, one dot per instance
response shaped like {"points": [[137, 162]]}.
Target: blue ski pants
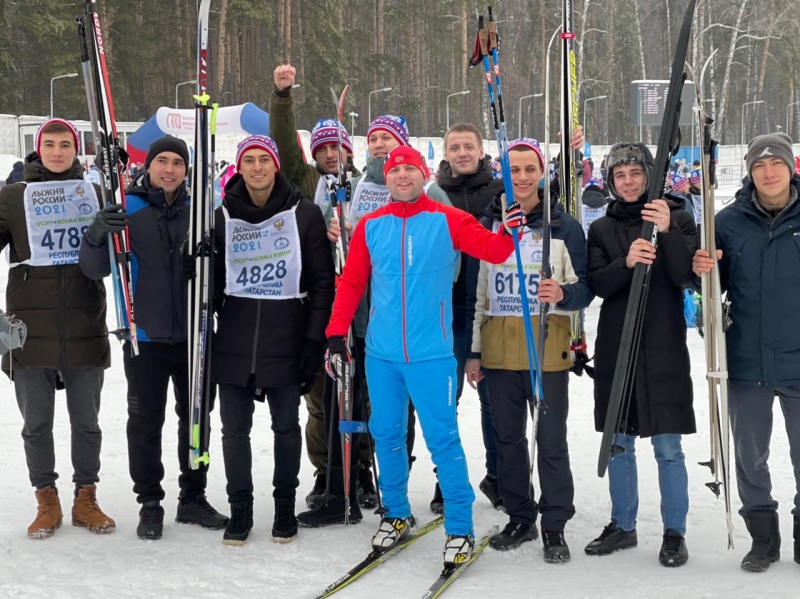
{"points": [[432, 384]]}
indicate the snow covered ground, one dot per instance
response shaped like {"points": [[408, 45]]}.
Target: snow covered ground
{"points": [[191, 562]]}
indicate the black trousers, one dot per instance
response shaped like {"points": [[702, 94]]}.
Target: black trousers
{"points": [[236, 408], [509, 391], [149, 375]]}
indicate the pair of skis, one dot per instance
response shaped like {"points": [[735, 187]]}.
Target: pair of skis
{"points": [[487, 43], [623, 386], [375, 558], [111, 162], [571, 173], [343, 372], [200, 247], [715, 325]]}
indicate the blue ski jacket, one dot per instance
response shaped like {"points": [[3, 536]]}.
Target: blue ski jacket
{"points": [[158, 232], [759, 270]]}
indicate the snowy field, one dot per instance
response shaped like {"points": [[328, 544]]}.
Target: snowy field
{"points": [[191, 562]]}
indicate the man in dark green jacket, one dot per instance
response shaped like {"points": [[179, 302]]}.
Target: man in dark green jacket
{"points": [[314, 181], [41, 221]]}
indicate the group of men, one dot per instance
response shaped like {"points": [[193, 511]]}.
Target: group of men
{"points": [[427, 294]]}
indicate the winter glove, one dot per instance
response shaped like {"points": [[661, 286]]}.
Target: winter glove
{"points": [[310, 363], [189, 269], [12, 333], [110, 219], [513, 217], [338, 352]]}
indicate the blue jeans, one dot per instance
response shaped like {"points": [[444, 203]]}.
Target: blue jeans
{"points": [[672, 480], [460, 351]]}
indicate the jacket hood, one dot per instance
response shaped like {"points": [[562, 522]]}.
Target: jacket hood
{"points": [[373, 172], [238, 203], [35, 171], [451, 182], [745, 195]]}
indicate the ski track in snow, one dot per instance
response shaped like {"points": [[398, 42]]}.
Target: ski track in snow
{"points": [[192, 562]]}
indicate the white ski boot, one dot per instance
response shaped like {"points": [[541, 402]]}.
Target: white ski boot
{"points": [[457, 550], [392, 531]]}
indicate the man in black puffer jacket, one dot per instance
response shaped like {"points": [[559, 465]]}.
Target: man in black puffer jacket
{"points": [[273, 293], [661, 403], [157, 211], [467, 178], [41, 221]]}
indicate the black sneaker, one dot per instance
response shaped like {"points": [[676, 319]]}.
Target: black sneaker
{"points": [[673, 550], [366, 492], [240, 524], [198, 511], [317, 495], [437, 503], [514, 535], [284, 528], [612, 539], [488, 487], [151, 521], [555, 546]]}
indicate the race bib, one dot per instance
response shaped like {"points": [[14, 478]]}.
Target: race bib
{"points": [[590, 215], [322, 196], [263, 261], [368, 197], [504, 281], [57, 214], [698, 209]]}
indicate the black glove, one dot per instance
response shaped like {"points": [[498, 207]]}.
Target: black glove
{"points": [[337, 347], [110, 219], [189, 269], [310, 364]]}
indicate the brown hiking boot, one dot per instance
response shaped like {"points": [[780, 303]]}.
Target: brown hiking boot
{"points": [[86, 512], [48, 515]]}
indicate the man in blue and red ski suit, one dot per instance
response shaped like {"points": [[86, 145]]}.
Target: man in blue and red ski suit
{"points": [[408, 251]]}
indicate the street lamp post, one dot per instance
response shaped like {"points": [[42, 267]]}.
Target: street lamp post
{"points": [[741, 161], [369, 102], [51, 88], [190, 82], [519, 112], [788, 106], [461, 93], [353, 116], [585, 118]]}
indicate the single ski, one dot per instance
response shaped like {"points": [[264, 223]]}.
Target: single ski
{"points": [[715, 325], [622, 388], [111, 161], [375, 558], [199, 246], [450, 573]]}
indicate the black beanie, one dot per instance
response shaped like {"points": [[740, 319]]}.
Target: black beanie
{"points": [[770, 145], [167, 144]]}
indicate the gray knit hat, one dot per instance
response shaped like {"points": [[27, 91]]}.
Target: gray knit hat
{"points": [[167, 144], [770, 145]]}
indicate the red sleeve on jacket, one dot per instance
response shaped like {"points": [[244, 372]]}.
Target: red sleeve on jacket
{"points": [[473, 238], [352, 283]]}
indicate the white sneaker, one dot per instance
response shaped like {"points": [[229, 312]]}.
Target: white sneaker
{"points": [[457, 549], [392, 531]]}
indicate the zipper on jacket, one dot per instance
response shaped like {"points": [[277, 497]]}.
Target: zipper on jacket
{"points": [[63, 333], [441, 320], [255, 337], [403, 282]]}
